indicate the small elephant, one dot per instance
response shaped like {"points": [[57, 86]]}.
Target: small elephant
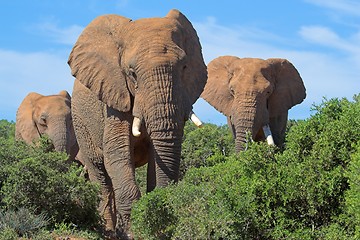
{"points": [[136, 82], [40, 115], [254, 94]]}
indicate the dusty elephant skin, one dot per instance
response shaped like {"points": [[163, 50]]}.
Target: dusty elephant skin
{"points": [[40, 115], [254, 93], [150, 70]]}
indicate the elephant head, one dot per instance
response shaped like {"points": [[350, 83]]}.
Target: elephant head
{"points": [[254, 94], [40, 115]]}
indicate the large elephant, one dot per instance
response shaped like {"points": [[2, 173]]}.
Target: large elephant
{"points": [[40, 115], [135, 85], [254, 94]]}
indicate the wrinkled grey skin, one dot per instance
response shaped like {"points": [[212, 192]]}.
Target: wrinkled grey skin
{"points": [[40, 115], [151, 69]]}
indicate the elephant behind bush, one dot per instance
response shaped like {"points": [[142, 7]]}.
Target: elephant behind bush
{"points": [[50, 116], [255, 95]]}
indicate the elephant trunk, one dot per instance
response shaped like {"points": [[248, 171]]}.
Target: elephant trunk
{"points": [[243, 134], [64, 139], [163, 114], [244, 122], [167, 152], [166, 135], [251, 125]]}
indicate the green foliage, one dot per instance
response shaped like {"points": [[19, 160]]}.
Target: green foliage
{"points": [[308, 190], [352, 203], [141, 178], [7, 129], [65, 230], [146, 222], [20, 223], [205, 146], [43, 181]]}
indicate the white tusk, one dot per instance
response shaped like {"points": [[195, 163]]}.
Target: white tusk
{"points": [[136, 127], [268, 135], [195, 119]]}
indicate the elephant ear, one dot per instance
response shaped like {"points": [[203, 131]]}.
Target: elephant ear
{"points": [[195, 73], [65, 94], [217, 91], [25, 128], [289, 87], [95, 61]]}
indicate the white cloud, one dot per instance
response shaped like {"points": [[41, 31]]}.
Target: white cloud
{"points": [[319, 34], [121, 3], [67, 36], [217, 40], [325, 36], [351, 7]]}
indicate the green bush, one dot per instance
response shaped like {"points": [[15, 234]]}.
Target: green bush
{"points": [[21, 223], [153, 218], [308, 190], [7, 129], [205, 146], [42, 181]]}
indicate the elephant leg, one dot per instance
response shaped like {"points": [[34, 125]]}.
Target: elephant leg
{"points": [[119, 164], [97, 173], [151, 174], [91, 154]]}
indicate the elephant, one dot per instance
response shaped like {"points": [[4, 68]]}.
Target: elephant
{"points": [[40, 115], [255, 95], [135, 84]]}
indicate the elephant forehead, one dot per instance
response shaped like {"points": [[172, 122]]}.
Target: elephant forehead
{"points": [[54, 104], [150, 28], [250, 70], [250, 65]]}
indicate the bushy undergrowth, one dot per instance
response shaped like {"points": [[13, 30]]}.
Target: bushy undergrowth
{"points": [[205, 146], [21, 222], [40, 183], [308, 190]]}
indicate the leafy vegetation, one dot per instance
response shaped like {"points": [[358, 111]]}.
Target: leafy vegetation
{"points": [[205, 146], [21, 222], [39, 190], [308, 190]]}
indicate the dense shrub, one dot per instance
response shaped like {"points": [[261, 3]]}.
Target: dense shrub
{"points": [[7, 129], [308, 190], [205, 146], [20, 223], [41, 181]]}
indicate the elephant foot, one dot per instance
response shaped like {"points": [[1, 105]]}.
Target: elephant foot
{"points": [[123, 231], [110, 235], [124, 235], [117, 235]]}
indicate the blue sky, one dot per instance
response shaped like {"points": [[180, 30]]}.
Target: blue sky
{"points": [[320, 37]]}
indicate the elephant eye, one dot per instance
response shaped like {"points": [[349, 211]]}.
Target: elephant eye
{"points": [[232, 91], [43, 121], [132, 76]]}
